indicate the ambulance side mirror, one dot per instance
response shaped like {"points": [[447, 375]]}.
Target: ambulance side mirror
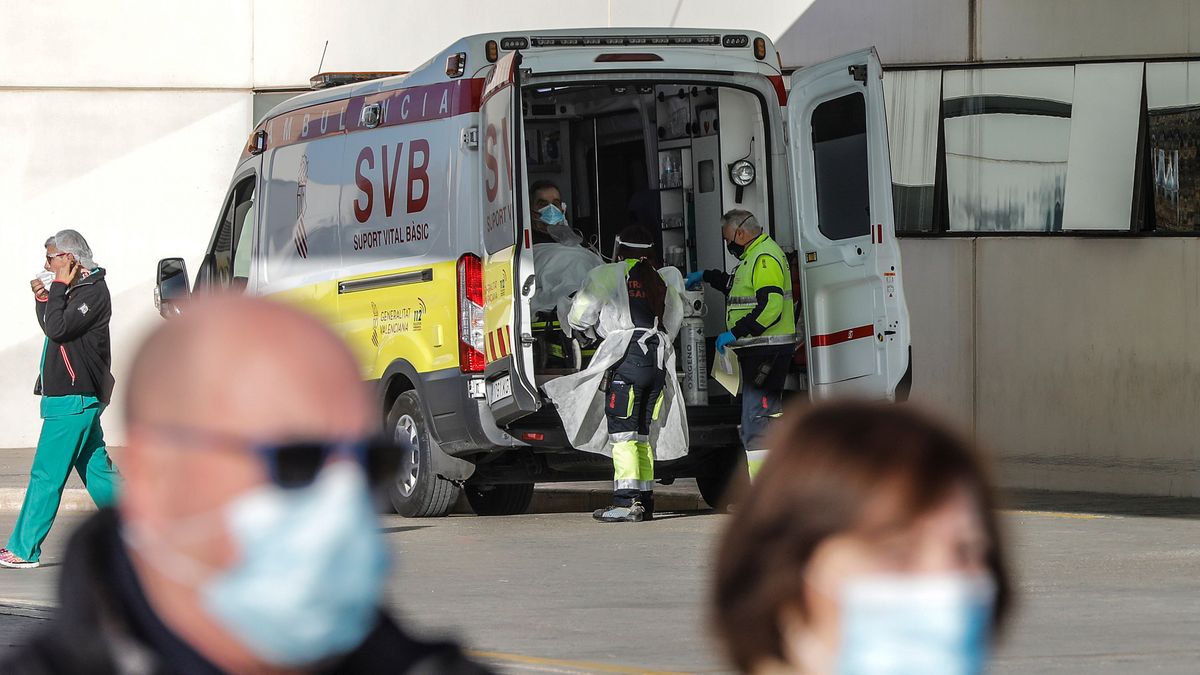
{"points": [[171, 288]]}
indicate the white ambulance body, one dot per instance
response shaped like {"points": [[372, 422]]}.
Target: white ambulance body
{"points": [[398, 209]]}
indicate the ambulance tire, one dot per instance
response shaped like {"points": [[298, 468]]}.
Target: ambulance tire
{"points": [[499, 500], [726, 481], [416, 491]]}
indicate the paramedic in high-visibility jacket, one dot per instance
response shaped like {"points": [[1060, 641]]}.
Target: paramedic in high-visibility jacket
{"points": [[760, 323]]}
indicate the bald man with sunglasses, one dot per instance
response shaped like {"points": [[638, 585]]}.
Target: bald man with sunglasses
{"points": [[245, 540]]}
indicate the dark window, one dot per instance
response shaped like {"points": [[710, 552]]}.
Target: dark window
{"points": [[839, 134], [233, 244]]}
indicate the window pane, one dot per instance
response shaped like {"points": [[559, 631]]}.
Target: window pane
{"points": [[1105, 114], [1173, 137], [913, 99], [839, 130], [1007, 137]]}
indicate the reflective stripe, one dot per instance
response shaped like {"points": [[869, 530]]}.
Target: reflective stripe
{"points": [[765, 340], [744, 301], [622, 437], [646, 486], [627, 484]]}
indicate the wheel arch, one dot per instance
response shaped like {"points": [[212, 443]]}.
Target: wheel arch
{"points": [[400, 377]]}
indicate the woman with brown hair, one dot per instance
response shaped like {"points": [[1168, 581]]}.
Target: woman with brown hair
{"points": [[869, 544]]}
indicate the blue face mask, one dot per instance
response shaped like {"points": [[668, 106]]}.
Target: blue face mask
{"points": [[309, 572], [551, 215], [910, 625]]}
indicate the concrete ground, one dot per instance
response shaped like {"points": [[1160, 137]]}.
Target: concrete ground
{"points": [[1106, 585]]}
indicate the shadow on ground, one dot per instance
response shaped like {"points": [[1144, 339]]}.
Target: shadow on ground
{"points": [[1102, 504]]}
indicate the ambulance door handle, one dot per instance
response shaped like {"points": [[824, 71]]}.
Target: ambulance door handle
{"points": [[527, 289]]}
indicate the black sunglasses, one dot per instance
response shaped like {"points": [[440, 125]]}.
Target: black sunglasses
{"points": [[295, 464]]}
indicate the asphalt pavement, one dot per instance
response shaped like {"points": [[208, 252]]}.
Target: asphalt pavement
{"points": [[1106, 585]]}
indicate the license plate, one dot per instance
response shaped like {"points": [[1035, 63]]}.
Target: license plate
{"points": [[499, 388]]}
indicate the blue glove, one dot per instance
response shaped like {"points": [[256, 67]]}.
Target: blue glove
{"points": [[694, 280], [723, 340]]}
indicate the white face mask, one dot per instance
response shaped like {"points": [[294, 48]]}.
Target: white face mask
{"points": [[908, 625], [905, 625], [310, 567]]}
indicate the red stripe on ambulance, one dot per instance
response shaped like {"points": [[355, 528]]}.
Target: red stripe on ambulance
{"points": [[831, 339]]}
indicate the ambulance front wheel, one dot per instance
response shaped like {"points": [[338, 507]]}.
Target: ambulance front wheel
{"points": [[416, 491], [725, 479]]}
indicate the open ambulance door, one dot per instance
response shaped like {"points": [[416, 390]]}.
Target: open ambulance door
{"points": [[854, 311], [508, 275]]}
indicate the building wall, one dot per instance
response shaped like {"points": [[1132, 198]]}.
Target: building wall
{"points": [[1070, 357]]}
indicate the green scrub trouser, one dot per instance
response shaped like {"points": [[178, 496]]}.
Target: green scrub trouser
{"points": [[71, 437]]}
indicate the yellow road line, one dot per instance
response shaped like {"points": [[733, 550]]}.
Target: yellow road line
{"points": [[576, 666], [1056, 514]]}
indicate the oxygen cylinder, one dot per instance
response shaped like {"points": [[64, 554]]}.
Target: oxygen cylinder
{"points": [[691, 337]]}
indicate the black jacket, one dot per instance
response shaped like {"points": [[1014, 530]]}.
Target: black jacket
{"points": [[78, 355], [104, 626]]}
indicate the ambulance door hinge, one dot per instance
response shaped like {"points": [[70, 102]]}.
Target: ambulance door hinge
{"points": [[859, 73], [470, 138]]}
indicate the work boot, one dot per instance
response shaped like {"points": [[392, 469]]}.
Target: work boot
{"points": [[647, 501], [635, 513]]}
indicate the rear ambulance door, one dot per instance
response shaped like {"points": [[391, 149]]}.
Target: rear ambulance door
{"points": [[508, 275], [854, 309]]}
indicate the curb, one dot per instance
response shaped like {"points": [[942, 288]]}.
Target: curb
{"points": [[545, 500], [73, 499]]}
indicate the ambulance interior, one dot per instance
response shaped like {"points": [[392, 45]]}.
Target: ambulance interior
{"points": [[657, 156]]}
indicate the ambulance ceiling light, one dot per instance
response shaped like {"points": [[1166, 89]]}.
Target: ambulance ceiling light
{"points": [[337, 79]]}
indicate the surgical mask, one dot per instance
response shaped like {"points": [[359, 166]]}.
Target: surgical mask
{"points": [[309, 572], [909, 625], [735, 249], [551, 215]]}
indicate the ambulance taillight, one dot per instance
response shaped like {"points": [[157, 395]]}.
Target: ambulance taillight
{"points": [[470, 314]]}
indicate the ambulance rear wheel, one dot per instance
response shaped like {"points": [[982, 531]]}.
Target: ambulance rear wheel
{"points": [[499, 500], [726, 480], [416, 491]]}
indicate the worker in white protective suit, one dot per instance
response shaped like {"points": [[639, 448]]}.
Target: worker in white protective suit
{"points": [[636, 310]]}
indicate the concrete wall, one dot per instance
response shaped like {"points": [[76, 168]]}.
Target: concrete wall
{"points": [[1072, 359], [123, 121]]}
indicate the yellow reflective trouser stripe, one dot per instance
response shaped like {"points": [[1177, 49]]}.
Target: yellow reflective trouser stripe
{"points": [[645, 459], [658, 406], [754, 461], [625, 463]]}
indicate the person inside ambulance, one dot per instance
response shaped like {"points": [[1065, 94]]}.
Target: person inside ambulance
{"points": [[760, 324], [636, 310], [562, 266]]}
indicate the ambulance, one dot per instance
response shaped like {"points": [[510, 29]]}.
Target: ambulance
{"points": [[398, 209]]}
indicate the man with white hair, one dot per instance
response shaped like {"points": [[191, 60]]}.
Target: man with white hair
{"points": [[760, 324], [75, 383]]}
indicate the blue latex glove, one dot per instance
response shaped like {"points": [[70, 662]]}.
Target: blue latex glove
{"points": [[694, 280], [723, 340]]}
